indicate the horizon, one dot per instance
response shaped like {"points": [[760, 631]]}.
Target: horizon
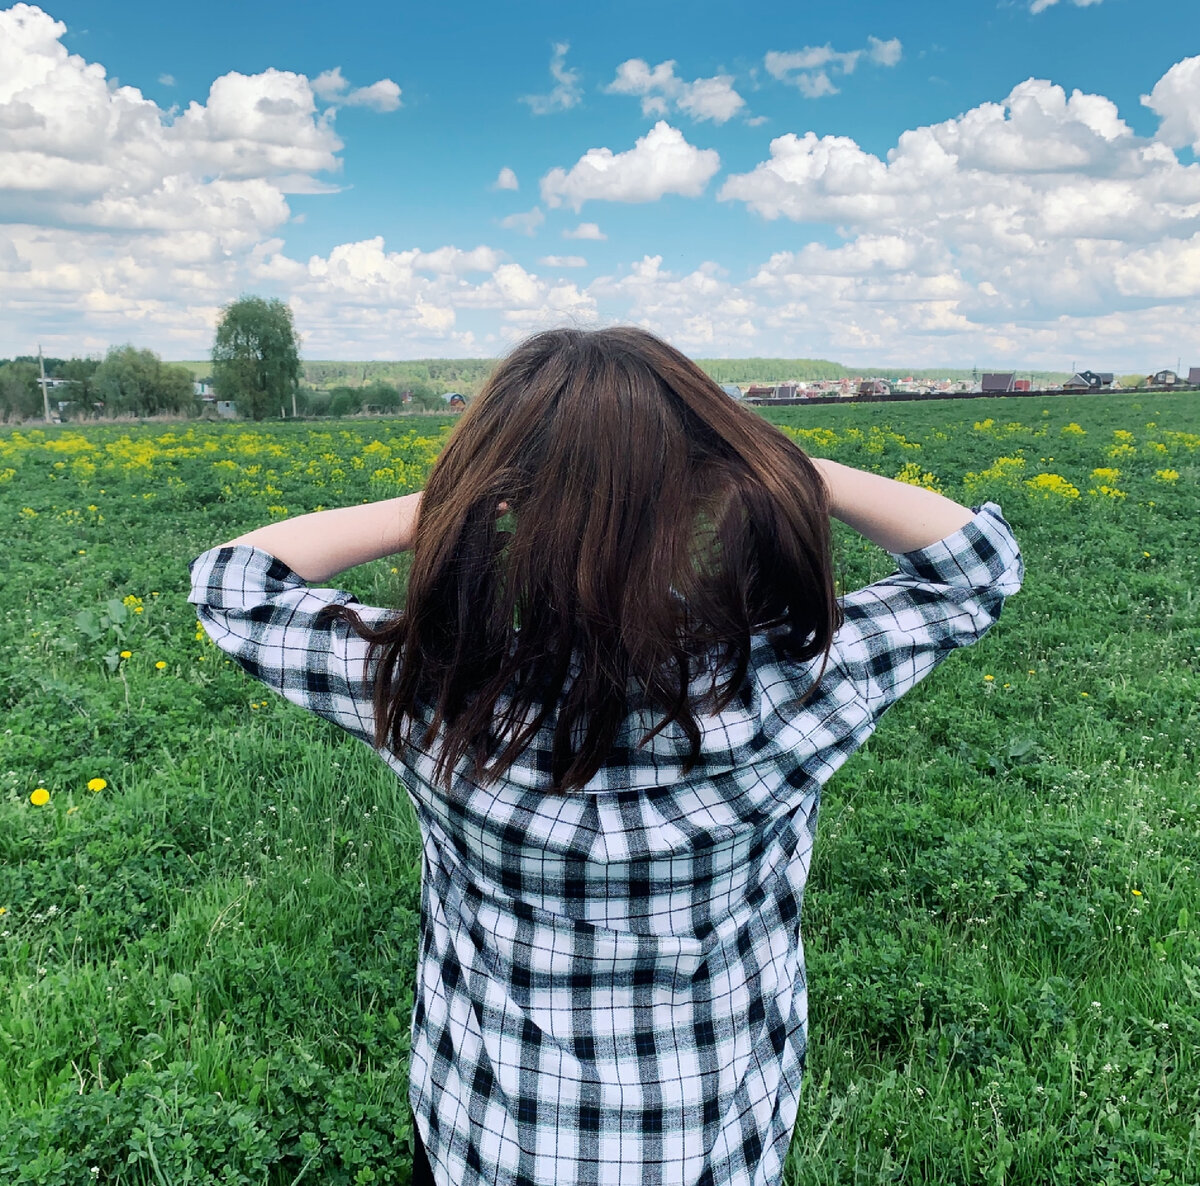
{"points": [[1017, 180]]}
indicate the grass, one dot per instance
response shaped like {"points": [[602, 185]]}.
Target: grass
{"points": [[206, 965]]}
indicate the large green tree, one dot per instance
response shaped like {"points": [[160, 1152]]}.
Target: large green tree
{"points": [[138, 382], [20, 395], [255, 356]]}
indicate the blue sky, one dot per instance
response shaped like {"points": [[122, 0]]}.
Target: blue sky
{"points": [[1008, 183]]}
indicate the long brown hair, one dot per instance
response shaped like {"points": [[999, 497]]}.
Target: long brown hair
{"points": [[652, 524]]}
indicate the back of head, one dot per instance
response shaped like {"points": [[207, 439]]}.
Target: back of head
{"points": [[650, 524]]}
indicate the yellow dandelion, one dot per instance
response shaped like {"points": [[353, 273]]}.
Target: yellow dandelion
{"points": [[989, 677], [40, 797], [1083, 693], [96, 784], [1145, 553], [126, 654], [3, 909], [1008, 685], [1032, 672], [1136, 893], [137, 609], [82, 552], [160, 664]]}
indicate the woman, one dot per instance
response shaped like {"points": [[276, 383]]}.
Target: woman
{"points": [[619, 681]]}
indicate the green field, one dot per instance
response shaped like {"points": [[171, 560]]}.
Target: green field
{"points": [[209, 925]]}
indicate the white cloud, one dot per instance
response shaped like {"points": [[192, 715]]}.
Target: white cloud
{"points": [[813, 86], [506, 179], [166, 80], [1000, 225], [699, 312], [118, 217], [704, 98], [329, 84], [1175, 99], [527, 223], [660, 162], [810, 68], [1032, 231], [1042, 5], [585, 230], [383, 95], [884, 53], [812, 57], [567, 91]]}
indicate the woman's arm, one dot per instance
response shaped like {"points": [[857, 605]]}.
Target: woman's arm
{"points": [[896, 516], [318, 546]]}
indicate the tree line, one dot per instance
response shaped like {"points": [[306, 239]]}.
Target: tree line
{"points": [[255, 363], [126, 382]]}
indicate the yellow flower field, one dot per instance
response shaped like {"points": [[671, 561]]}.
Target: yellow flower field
{"points": [[209, 901]]}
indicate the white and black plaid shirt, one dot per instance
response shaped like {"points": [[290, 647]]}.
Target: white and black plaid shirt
{"points": [[611, 983]]}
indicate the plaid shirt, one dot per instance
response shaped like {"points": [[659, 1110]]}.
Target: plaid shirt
{"points": [[611, 982]]}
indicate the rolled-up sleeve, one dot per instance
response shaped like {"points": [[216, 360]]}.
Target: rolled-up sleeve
{"points": [[943, 596], [258, 611]]}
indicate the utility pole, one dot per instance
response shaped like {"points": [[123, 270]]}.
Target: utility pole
{"points": [[45, 397]]}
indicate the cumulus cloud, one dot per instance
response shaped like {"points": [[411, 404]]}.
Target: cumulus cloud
{"points": [[566, 92], [118, 215], [527, 223], [660, 90], [1041, 5], [1030, 231], [383, 95], [585, 230], [1018, 166], [1023, 214], [660, 162], [700, 311], [330, 84], [506, 179], [810, 68], [1175, 99]]}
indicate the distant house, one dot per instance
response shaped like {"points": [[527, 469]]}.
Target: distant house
{"points": [[1194, 376], [201, 389], [998, 382], [1089, 381], [1022, 385], [874, 387], [227, 408], [732, 390], [1164, 379], [787, 391], [455, 399], [760, 391]]}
